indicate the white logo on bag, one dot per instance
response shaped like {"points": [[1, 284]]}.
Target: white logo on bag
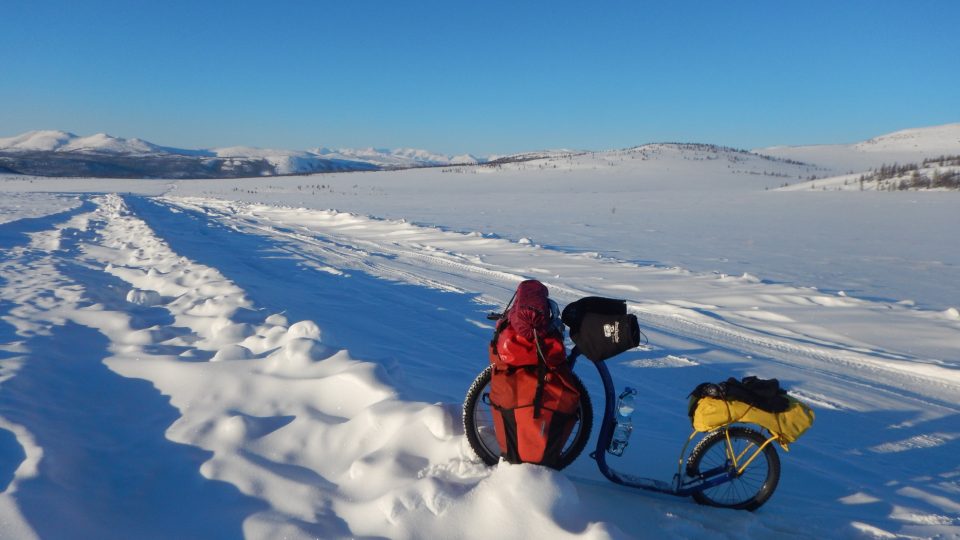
{"points": [[612, 331]]}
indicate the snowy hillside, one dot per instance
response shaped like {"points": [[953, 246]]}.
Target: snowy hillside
{"points": [[906, 146], [937, 174], [659, 166], [931, 141]]}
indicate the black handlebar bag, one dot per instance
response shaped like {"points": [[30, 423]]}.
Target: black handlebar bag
{"points": [[601, 327]]}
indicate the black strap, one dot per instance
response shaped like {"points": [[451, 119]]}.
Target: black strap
{"points": [[541, 377], [764, 394], [501, 324]]}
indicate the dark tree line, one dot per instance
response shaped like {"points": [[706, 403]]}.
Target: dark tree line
{"points": [[913, 176]]}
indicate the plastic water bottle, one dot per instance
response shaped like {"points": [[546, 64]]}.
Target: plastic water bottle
{"points": [[624, 427]]}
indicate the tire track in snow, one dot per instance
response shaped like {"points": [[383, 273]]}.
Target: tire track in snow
{"points": [[393, 260], [97, 462], [378, 258], [836, 365]]}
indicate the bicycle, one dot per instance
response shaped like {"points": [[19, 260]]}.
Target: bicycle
{"points": [[734, 466]]}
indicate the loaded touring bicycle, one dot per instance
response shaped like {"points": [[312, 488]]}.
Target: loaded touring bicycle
{"points": [[528, 405]]}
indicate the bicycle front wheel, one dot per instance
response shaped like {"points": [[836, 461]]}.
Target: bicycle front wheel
{"points": [[478, 422], [747, 490]]}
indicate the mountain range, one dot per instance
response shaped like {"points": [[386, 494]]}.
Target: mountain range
{"points": [[59, 153]]}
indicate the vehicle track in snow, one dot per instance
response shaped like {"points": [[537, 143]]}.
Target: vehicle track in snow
{"points": [[846, 367], [451, 268], [389, 260], [94, 441]]}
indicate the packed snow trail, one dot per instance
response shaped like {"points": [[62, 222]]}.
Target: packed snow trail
{"points": [[95, 461], [277, 430]]}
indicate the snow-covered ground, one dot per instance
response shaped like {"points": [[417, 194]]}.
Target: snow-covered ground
{"points": [[702, 209], [286, 357]]}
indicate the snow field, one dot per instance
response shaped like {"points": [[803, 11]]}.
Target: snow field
{"points": [[831, 349], [300, 439], [14, 205], [773, 316]]}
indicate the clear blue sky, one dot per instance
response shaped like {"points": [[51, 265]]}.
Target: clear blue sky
{"points": [[472, 76]]}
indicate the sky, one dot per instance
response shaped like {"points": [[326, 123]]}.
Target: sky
{"points": [[480, 77]]}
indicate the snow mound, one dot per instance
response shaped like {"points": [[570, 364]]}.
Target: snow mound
{"points": [[143, 298]]}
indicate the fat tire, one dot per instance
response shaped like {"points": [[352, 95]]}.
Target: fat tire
{"points": [[747, 496], [490, 453]]}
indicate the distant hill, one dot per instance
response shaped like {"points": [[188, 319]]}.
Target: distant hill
{"points": [[906, 146]]}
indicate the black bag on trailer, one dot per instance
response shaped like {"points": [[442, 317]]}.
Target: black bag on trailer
{"points": [[601, 327], [764, 394]]}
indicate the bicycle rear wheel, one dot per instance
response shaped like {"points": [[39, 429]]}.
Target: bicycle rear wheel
{"points": [[478, 422], [748, 490]]}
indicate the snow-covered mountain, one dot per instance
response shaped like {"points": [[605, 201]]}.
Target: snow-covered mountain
{"points": [[60, 153], [906, 146], [62, 141], [397, 158]]}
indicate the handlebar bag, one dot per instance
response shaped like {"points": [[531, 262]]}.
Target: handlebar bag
{"points": [[601, 327]]}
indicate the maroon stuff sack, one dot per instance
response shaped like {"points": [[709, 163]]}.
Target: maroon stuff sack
{"points": [[530, 312]]}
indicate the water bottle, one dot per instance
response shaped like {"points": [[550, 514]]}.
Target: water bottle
{"points": [[624, 427]]}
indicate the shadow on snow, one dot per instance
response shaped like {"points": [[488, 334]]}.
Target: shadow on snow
{"points": [[107, 469]]}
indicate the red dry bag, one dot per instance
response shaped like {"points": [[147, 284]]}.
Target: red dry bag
{"points": [[532, 392]]}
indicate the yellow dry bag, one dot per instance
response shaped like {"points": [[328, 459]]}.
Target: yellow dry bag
{"points": [[711, 413]]}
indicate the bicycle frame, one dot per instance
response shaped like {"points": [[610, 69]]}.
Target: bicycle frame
{"points": [[679, 487]]}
